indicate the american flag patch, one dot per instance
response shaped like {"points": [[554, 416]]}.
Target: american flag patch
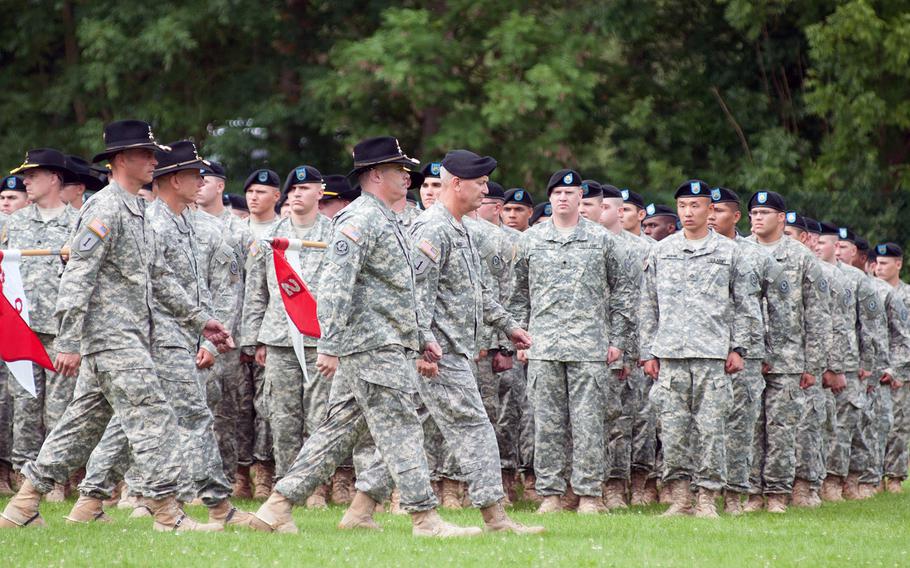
{"points": [[352, 233], [99, 228], [427, 248]]}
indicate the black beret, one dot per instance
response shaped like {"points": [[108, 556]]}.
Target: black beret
{"points": [[564, 178], [630, 196], [225, 199], [263, 177], [794, 219], [845, 234], [468, 165], [828, 228], [653, 210], [431, 170], [693, 188], [544, 209], [591, 188], [495, 191], [813, 226], [301, 174], [889, 249], [13, 183], [610, 192], [862, 244], [769, 199], [238, 202], [724, 195], [519, 195], [411, 197], [213, 169]]}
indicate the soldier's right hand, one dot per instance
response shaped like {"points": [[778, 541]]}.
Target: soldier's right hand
{"points": [[326, 365], [428, 370], [652, 368], [260, 355], [432, 352], [522, 356], [885, 378], [67, 364], [806, 380]]}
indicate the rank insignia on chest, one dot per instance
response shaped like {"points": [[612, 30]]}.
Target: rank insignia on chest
{"points": [[429, 249]]}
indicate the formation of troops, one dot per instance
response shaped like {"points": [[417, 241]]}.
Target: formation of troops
{"points": [[587, 353]]}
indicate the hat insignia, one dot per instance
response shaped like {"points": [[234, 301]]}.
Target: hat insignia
{"points": [[715, 194], [625, 194], [300, 173], [434, 168], [585, 188], [791, 216], [882, 249], [11, 182], [567, 178], [695, 188], [519, 195], [547, 209], [650, 209], [263, 176], [842, 232], [762, 197]]}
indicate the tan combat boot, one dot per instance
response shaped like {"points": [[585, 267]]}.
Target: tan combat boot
{"points": [[815, 500], [850, 489], [226, 514], [894, 485], [343, 486], [665, 495], [429, 523], [801, 493], [242, 482], [115, 495], [263, 479], [142, 510], [777, 503], [733, 504], [832, 489], [22, 509], [57, 494], [395, 503], [706, 504], [682, 499], [615, 494], [651, 493], [169, 518], [530, 491], [508, 487], [569, 499], [6, 489], [550, 504], [87, 510], [274, 515], [451, 498], [127, 501], [754, 504], [436, 484], [637, 482], [317, 499], [495, 519], [867, 490], [360, 514], [591, 506]]}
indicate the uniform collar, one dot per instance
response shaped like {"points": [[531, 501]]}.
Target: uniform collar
{"points": [[131, 201], [447, 215], [551, 233]]}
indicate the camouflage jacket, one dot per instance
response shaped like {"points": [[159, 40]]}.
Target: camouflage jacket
{"points": [[899, 330], [496, 253], [265, 320], [452, 297], [843, 353], [576, 292], [698, 301], [867, 313], [879, 324], [768, 273], [366, 291], [220, 268], [25, 229]]}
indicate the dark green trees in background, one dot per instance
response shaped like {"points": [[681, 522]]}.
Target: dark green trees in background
{"points": [[809, 98]]}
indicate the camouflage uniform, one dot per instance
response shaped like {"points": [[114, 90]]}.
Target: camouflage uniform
{"points": [[104, 310], [175, 342], [573, 327], [896, 453], [367, 311], [295, 407], [689, 297], [35, 416], [800, 336], [6, 418]]}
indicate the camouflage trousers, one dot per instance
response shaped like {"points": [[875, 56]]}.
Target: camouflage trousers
{"points": [[507, 422], [6, 417], [491, 389], [618, 417], [37, 415], [516, 420], [693, 399], [363, 411], [117, 382], [748, 386], [644, 423], [774, 457], [222, 382], [568, 401], [811, 454], [254, 436], [850, 403], [866, 453], [202, 474], [896, 454], [454, 404]]}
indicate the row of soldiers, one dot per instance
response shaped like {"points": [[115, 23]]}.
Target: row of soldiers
{"points": [[608, 310]]}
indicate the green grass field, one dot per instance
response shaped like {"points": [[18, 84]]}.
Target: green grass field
{"points": [[873, 532]]}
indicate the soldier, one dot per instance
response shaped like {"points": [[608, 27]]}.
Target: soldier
{"points": [[797, 356], [633, 212], [296, 399], [591, 200], [692, 349], [517, 208], [660, 221], [6, 431], [338, 194], [890, 260], [542, 213], [568, 365], [86, 180], [431, 185], [368, 316], [238, 206], [104, 312], [12, 195]]}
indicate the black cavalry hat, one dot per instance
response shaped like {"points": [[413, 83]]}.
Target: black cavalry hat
{"points": [[47, 159], [127, 135], [338, 187], [83, 171], [214, 169], [182, 155], [382, 150]]}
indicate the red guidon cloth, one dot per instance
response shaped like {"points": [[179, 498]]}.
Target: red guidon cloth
{"points": [[298, 301], [17, 340]]}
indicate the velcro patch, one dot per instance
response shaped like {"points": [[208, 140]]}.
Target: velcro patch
{"points": [[87, 242], [99, 228], [352, 233], [429, 249]]}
